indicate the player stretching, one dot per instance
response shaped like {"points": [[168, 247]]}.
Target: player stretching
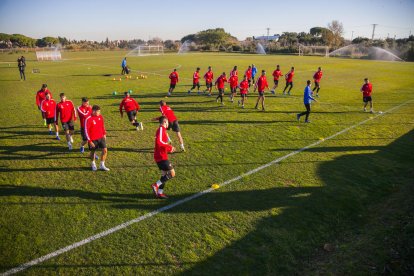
{"points": [[167, 112], [67, 112], [48, 107], [289, 80], [220, 87], [248, 74], [307, 99], [260, 85], [366, 90], [161, 150], [244, 89], [96, 135], [254, 72], [317, 78], [208, 76], [173, 81], [196, 81], [40, 97], [276, 75], [131, 108], [84, 111]]}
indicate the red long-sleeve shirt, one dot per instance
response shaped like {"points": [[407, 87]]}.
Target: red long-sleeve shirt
{"points": [[262, 83], [173, 77], [289, 76], [41, 96], [208, 76], [94, 128], [196, 77], [248, 74], [220, 82], [366, 89], [233, 81], [162, 148], [168, 112], [317, 76], [65, 111], [129, 104], [244, 85], [84, 112], [277, 74], [49, 108]]}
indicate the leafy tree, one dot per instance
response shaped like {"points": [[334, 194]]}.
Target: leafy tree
{"points": [[335, 37]]}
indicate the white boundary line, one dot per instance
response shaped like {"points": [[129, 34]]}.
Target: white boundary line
{"points": [[184, 200]]}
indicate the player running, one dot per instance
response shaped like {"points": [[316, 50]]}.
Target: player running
{"points": [[248, 74], [276, 75], [307, 99], [366, 90], [244, 89], [48, 107], [65, 110], [161, 150], [209, 76], [233, 81], [40, 97], [96, 135], [220, 87], [254, 72], [317, 79], [260, 85], [131, 107], [289, 80], [173, 81], [84, 111], [196, 81]]}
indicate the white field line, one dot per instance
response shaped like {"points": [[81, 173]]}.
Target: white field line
{"points": [[182, 201]]}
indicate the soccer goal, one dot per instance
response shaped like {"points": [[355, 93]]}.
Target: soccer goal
{"points": [[313, 50], [48, 55], [146, 50]]}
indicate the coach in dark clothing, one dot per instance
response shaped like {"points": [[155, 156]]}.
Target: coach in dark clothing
{"points": [[21, 63]]}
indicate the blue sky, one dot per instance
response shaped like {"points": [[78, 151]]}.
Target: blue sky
{"points": [[96, 20]]}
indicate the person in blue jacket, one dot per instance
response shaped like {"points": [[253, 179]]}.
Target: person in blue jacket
{"points": [[124, 65], [254, 72], [307, 99]]}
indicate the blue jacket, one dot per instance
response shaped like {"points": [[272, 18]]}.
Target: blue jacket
{"points": [[307, 95], [254, 71], [123, 63]]}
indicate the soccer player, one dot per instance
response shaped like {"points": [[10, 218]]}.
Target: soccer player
{"points": [[167, 112], [289, 80], [317, 78], [124, 66], [234, 73], [173, 81], [248, 73], [40, 97], [307, 99], [233, 81], [366, 90], [260, 85], [220, 87], [21, 63], [276, 75], [96, 135], [84, 111], [131, 108], [48, 107], [208, 76], [161, 150], [254, 72], [244, 89], [65, 110], [196, 81]]}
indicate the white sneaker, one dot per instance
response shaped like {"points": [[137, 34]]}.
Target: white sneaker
{"points": [[182, 147], [94, 168], [103, 168]]}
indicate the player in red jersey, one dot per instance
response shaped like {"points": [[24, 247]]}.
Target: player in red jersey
{"points": [[248, 74], [196, 81], [161, 150], [289, 80], [233, 81], [96, 135], [173, 81], [209, 76], [260, 85], [220, 87], [131, 107], [366, 90], [65, 110], [317, 79], [244, 89], [48, 106], [276, 75], [40, 97], [84, 111]]}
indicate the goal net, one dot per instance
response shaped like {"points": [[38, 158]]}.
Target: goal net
{"points": [[313, 50], [146, 50], [48, 55]]}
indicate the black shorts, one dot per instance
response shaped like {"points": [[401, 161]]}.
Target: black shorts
{"points": [[99, 144], [261, 94], [50, 120], [276, 82], [317, 84], [172, 86], [196, 85], [243, 95], [221, 91], [209, 84], [367, 99], [174, 126], [83, 134], [289, 83], [68, 126], [233, 89], [165, 165], [132, 115]]}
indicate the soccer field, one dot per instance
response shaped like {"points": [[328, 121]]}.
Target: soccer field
{"points": [[336, 207]]}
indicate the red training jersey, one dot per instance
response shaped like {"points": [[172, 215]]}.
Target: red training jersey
{"points": [[244, 86], [277, 74], [209, 76], [233, 81], [220, 82], [289, 76], [173, 77], [65, 111], [168, 112], [248, 74], [129, 104], [366, 89], [196, 77], [94, 128], [49, 108], [317, 76], [84, 112], [162, 148], [41, 96], [262, 83]]}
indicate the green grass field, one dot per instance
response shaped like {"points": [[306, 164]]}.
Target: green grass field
{"points": [[352, 194]]}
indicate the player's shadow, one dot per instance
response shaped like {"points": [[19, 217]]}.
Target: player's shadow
{"points": [[33, 151], [22, 132]]}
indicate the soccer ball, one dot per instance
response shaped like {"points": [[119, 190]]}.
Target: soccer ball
{"points": [[114, 93], [130, 91]]}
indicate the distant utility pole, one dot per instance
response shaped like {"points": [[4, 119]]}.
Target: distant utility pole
{"points": [[373, 30], [268, 30]]}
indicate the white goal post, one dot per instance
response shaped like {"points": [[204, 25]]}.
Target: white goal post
{"points": [[146, 50], [48, 55], [313, 50]]}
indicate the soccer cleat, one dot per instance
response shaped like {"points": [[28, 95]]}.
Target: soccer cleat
{"points": [[243, 106], [298, 117], [162, 196], [307, 121], [94, 168], [169, 94], [103, 168], [273, 92], [154, 188], [198, 93], [50, 132], [182, 147], [189, 91], [365, 110], [82, 149], [58, 138]]}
